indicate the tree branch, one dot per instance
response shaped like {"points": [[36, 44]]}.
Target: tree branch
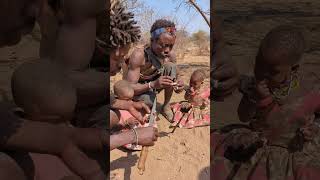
{"points": [[192, 2]]}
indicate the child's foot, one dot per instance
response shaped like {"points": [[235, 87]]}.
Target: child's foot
{"points": [[167, 113]]}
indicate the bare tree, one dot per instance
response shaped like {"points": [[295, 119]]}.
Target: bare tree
{"points": [[192, 3]]}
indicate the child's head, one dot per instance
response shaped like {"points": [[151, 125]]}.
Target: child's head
{"points": [[279, 54], [44, 92], [123, 90], [197, 79]]}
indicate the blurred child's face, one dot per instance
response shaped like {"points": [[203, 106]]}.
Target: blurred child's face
{"points": [[272, 70], [196, 84]]}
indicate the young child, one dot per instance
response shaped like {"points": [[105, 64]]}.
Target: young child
{"points": [[280, 103], [124, 91], [195, 111], [45, 95]]}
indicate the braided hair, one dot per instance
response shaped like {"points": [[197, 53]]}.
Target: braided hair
{"points": [[119, 30], [115, 28]]}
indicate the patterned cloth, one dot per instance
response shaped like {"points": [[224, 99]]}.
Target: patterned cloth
{"points": [[272, 146], [198, 115]]}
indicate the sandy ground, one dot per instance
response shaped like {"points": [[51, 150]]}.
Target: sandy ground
{"points": [[246, 22], [183, 155]]}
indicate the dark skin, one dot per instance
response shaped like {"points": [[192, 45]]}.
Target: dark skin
{"points": [[147, 135], [68, 142], [76, 31], [162, 47], [270, 72], [19, 19], [116, 58]]}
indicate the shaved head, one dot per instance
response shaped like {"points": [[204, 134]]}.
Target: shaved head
{"points": [[42, 88], [123, 90], [283, 43]]}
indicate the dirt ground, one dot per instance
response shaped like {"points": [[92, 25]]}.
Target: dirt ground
{"points": [[182, 155], [246, 22]]}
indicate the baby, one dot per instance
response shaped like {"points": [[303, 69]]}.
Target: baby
{"points": [[124, 91], [44, 94], [194, 111]]}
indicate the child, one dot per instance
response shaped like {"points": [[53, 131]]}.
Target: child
{"points": [[43, 92], [195, 111], [124, 91], [280, 104]]}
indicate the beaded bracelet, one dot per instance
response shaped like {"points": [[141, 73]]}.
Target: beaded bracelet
{"points": [[136, 136]]}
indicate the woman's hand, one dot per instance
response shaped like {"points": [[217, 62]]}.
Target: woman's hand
{"points": [[147, 136], [135, 108]]}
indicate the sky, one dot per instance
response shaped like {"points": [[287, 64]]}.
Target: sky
{"points": [[188, 17]]}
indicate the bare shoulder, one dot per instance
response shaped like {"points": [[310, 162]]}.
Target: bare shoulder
{"points": [[137, 57]]}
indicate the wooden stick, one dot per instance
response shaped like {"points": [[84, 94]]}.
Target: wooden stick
{"points": [[178, 123], [200, 11], [142, 160]]}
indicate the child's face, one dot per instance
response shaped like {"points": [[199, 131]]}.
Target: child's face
{"points": [[271, 70], [196, 84]]}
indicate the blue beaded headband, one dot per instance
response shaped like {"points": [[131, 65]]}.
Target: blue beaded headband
{"points": [[156, 33]]}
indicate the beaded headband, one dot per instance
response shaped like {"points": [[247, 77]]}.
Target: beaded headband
{"points": [[156, 33]]}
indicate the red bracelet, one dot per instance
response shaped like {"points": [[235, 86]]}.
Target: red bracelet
{"points": [[265, 102]]}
